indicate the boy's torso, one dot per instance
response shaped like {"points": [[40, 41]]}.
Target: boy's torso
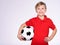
{"points": [[41, 30]]}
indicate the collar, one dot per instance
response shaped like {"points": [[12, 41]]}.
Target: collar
{"points": [[45, 17]]}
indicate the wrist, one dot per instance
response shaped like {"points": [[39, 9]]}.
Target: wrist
{"points": [[50, 38]]}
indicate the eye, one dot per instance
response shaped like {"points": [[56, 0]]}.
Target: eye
{"points": [[38, 8], [42, 8]]}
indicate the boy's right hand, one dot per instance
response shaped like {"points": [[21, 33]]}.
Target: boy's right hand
{"points": [[20, 37]]}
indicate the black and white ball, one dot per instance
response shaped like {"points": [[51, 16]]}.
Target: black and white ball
{"points": [[28, 33]]}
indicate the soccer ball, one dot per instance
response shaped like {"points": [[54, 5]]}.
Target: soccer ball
{"points": [[27, 33]]}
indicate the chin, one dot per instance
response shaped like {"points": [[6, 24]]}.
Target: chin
{"points": [[41, 14]]}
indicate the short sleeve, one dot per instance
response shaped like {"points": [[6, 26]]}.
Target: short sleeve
{"points": [[51, 25], [29, 22]]}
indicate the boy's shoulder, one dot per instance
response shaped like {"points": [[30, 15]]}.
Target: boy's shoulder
{"points": [[32, 19], [49, 19]]}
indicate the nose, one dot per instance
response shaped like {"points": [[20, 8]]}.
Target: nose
{"points": [[40, 9]]}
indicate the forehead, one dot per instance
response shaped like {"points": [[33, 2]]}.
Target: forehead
{"points": [[41, 6]]}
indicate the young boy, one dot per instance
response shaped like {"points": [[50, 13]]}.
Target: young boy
{"points": [[41, 25]]}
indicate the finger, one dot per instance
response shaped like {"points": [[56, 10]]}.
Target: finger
{"points": [[46, 39]]}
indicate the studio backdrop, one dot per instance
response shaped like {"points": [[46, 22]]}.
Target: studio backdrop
{"points": [[15, 12]]}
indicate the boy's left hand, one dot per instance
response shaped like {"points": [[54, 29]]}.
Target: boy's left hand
{"points": [[46, 39]]}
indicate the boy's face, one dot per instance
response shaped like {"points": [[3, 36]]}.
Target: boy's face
{"points": [[41, 10]]}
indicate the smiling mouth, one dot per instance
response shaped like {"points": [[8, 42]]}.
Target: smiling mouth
{"points": [[40, 12]]}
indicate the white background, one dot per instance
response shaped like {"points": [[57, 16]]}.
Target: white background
{"points": [[15, 12]]}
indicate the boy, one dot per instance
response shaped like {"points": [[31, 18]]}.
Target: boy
{"points": [[41, 25]]}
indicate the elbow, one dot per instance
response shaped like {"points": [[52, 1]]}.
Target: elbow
{"points": [[55, 30]]}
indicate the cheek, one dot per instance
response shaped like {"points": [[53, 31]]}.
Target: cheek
{"points": [[37, 11], [43, 11]]}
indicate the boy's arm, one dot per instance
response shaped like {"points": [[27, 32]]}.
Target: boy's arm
{"points": [[19, 31], [51, 36], [20, 28]]}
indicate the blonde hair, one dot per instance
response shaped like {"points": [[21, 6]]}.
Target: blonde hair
{"points": [[40, 3]]}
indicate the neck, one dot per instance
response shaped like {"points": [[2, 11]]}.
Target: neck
{"points": [[41, 17]]}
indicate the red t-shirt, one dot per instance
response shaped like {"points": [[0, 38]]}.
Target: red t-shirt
{"points": [[41, 29]]}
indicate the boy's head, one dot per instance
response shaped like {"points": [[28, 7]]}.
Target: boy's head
{"points": [[40, 8]]}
